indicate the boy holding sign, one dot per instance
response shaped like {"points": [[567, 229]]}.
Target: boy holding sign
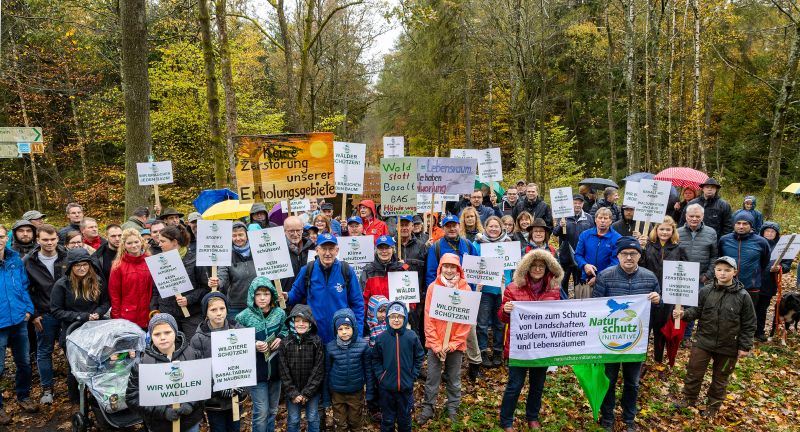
{"points": [[446, 343], [167, 345]]}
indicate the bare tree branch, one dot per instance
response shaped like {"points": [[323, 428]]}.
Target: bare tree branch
{"points": [[260, 28]]}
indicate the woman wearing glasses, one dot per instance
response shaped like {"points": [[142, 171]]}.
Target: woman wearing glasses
{"points": [[74, 240]]}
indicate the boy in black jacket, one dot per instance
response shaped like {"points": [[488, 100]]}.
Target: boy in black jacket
{"points": [[302, 364], [396, 361]]}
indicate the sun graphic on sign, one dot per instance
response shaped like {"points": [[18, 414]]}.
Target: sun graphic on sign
{"points": [[318, 149]]}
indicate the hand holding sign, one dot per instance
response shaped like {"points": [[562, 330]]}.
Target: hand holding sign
{"points": [[404, 287], [680, 284], [454, 306], [169, 275], [483, 270]]}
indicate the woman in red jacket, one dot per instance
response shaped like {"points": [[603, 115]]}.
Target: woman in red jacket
{"points": [[130, 285], [537, 278]]}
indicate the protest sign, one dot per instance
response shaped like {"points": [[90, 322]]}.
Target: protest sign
{"points": [[270, 253], [790, 243], [464, 153], [348, 166], [424, 203], [446, 175], [360, 249], [169, 273], [455, 305], [176, 382], [651, 201], [483, 270], [561, 202], [398, 187], [631, 194], [214, 242], [404, 286], [394, 147], [490, 167], [680, 283], [312, 255], [233, 358], [569, 332], [297, 205], [510, 252], [283, 167], [154, 173]]}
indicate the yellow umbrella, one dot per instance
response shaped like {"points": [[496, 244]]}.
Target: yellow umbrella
{"points": [[228, 209], [792, 188]]}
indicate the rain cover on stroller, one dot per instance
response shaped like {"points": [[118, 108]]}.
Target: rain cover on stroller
{"points": [[99, 354]]}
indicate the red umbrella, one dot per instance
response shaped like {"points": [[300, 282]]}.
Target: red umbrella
{"points": [[674, 337], [683, 177]]}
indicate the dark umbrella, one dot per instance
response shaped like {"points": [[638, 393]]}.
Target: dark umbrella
{"points": [[635, 177], [674, 337], [598, 183], [209, 197]]}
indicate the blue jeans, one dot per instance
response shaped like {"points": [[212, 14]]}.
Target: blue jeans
{"points": [[195, 428], [516, 380], [222, 421], [45, 343], [630, 392], [487, 317], [312, 415], [265, 396], [16, 337]]}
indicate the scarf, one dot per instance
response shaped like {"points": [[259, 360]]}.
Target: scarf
{"points": [[244, 251], [484, 237], [536, 287]]}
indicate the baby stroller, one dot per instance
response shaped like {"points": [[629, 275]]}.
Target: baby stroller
{"points": [[101, 355]]}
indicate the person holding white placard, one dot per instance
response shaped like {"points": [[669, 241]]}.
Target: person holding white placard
{"points": [[537, 278], [235, 280], [374, 279], [444, 360], [571, 229], [130, 286], [769, 287], [167, 345]]}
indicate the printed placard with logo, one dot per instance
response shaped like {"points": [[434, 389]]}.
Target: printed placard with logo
{"points": [[651, 201], [394, 146], [455, 305], [404, 286], [169, 273], [568, 332], [233, 358], [424, 203], [214, 242], [681, 283], [298, 205], [176, 382], [359, 249], [154, 173], [510, 252], [561, 203], [490, 167], [348, 166], [483, 270], [270, 253], [788, 242]]}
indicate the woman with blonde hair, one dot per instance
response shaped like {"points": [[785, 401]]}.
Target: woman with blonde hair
{"points": [[470, 224], [130, 285], [521, 233], [323, 224]]}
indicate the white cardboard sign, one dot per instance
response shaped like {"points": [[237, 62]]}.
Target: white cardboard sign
{"points": [[794, 248], [214, 242], [651, 202], [298, 205], [446, 175], [510, 252], [394, 146], [169, 273], [631, 194], [483, 270], [455, 305], [233, 358], [348, 166], [358, 249], [490, 168], [404, 287], [270, 253], [176, 382], [424, 203], [154, 173], [561, 202], [680, 284]]}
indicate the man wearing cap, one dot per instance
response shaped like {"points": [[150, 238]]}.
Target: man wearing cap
{"points": [[191, 222], [717, 210], [418, 231], [568, 242], [74, 216], [327, 210], [107, 252], [171, 217], [597, 250], [522, 187], [626, 226], [510, 200], [625, 278], [750, 250], [23, 235], [260, 217], [374, 279], [533, 204], [331, 285], [35, 217], [355, 226], [298, 248], [369, 217], [137, 220]]}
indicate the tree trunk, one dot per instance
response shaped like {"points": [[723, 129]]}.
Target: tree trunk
{"points": [[612, 140], [673, 35], [778, 124], [212, 97], [138, 140], [631, 143], [81, 143], [231, 110], [697, 111], [292, 116]]}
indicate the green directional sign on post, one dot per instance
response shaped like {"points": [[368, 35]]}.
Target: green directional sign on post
{"points": [[21, 134], [8, 150]]}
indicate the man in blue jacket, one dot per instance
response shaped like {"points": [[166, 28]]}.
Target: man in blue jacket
{"points": [[596, 250], [329, 288], [750, 250], [626, 278], [16, 309]]}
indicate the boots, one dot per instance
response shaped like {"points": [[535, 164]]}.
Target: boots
{"points": [[485, 361], [474, 372]]}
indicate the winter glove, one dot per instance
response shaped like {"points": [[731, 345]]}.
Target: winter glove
{"points": [[171, 415], [225, 394], [185, 409], [241, 392]]}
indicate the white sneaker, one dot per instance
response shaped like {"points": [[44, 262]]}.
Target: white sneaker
{"points": [[47, 397]]}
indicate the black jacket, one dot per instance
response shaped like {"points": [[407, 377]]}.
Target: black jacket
{"points": [[41, 282], [726, 319], [199, 279], [302, 358], [537, 208], [298, 261], [155, 416], [654, 255], [575, 226], [717, 214], [201, 344], [416, 255], [616, 212], [104, 256], [68, 309], [624, 227]]}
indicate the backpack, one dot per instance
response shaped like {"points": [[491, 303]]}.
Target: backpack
{"points": [[345, 275], [437, 249]]}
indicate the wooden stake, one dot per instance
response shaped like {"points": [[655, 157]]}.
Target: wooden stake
{"points": [[678, 308], [399, 241], [214, 275], [176, 424], [564, 228], [158, 199], [279, 288], [447, 332], [636, 226], [183, 308], [344, 208], [289, 207], [430, 236], [235, 406]]}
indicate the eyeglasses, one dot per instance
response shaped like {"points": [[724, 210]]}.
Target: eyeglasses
{"points": [[81, 265], [294, 231], [75, 243], [629, 254]]}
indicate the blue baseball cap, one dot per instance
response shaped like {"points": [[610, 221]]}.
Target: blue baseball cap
{"points": [[450, 218], [310, 227], [409, 218], [385, 240], [326, 238], [355, 219]]}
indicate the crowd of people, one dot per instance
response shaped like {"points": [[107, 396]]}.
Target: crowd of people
{"points": [[341, 343]]}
